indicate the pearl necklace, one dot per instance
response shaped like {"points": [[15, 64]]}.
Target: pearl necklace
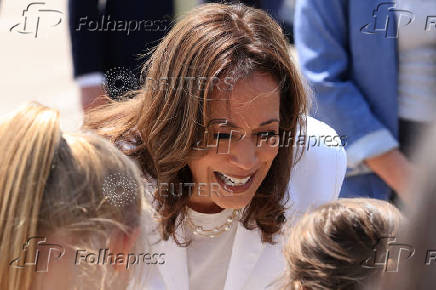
{"points": [[212, 233]]}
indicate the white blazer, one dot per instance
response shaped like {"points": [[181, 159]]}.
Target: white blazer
{"points": [[315, 179]]}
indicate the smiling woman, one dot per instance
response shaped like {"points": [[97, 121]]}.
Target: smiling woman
{"points": [[220, 135], [246, 49]]}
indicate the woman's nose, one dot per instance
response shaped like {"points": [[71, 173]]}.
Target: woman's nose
{"points": [[243, 154]]}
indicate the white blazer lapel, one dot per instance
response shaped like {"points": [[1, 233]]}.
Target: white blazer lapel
{"points": [[175, 269], [247, 248]]}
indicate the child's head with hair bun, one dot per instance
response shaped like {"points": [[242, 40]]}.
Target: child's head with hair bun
{"points": [[327, 247]]}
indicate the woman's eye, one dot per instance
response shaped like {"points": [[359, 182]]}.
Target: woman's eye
{"points": [[221, 136], [267, 134]]}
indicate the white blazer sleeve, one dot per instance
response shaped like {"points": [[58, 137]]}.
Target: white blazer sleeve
{"points": [[317, 177]]}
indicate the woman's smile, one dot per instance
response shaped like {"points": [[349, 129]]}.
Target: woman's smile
{"points": [[234, 184]]}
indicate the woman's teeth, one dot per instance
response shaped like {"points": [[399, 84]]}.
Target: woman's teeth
{"points": [[232, 181]]}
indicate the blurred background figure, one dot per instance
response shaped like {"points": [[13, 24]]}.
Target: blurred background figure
{"points": [[108, 38], [415, 268], [372, 66], [281, 10], [41, 68]]}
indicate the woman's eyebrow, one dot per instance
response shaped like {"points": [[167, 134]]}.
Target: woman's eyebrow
{"points": [[230, 124], [268, 122]]}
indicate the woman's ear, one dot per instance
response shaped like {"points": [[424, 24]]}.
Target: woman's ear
{"points": [[122, 242]]}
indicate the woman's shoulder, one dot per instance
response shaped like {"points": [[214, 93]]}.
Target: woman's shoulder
{"points": [[320, 143], [319, 148], [318, 175]]}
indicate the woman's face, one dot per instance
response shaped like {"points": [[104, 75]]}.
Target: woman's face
{"points": [[238, 154]]}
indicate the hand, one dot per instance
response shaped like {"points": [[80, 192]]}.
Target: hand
{"points": [[92, 97], [394, 168]]}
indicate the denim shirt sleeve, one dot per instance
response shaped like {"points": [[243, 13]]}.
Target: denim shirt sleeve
{"points": [[322, 43]]}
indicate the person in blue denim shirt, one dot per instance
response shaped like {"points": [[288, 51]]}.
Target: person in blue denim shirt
{"points": [[357, 57]]}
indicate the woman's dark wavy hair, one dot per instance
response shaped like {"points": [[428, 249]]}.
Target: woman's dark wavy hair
{"points": [[213, 41]]}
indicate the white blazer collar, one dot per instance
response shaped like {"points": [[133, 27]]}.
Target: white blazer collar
{"points": [[246, 250]]}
